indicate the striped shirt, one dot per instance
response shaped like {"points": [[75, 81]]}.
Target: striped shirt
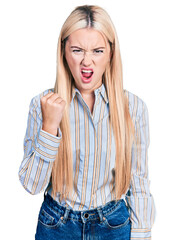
{"points": [[93, 157]]}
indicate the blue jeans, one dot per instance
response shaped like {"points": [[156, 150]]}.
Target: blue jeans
{"points": [[110, 221]]}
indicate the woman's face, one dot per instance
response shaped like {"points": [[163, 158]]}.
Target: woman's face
{"points": [[87, 55]]}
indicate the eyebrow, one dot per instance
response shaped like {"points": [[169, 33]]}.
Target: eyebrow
{"points": [[82, 48]]}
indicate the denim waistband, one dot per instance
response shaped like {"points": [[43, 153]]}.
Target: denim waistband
{"points": [[83, 215]]}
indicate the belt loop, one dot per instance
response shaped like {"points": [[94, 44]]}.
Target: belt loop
{"points": [[66, 215], [45, 193], [47, 189], [100, 213]]}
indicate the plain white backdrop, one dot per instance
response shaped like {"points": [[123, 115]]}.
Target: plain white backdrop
{"points": [[28, 44]]}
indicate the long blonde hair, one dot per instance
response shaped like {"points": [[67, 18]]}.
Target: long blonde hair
{"points": [[93, 16]]}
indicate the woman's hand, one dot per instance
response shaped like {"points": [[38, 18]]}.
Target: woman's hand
{"points": [[52, 107]]}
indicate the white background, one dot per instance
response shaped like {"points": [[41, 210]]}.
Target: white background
{"points": [[29, 34]]}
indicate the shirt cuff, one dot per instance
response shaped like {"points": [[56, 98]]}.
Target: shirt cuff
{"points": [[140, 234], [46, 144]]}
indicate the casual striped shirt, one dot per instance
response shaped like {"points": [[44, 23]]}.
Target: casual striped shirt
{"points": [[94, 151]]}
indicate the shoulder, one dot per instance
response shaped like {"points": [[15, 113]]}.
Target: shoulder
{"points": [[35, 103], [137, 105]]}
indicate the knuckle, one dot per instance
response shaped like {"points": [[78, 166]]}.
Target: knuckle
{"points": [[49, 101]]}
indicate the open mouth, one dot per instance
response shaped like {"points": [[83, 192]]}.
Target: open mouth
{"points": [[87, 73]]}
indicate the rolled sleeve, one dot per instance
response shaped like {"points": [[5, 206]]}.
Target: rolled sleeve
{"points": [[46, 145]]}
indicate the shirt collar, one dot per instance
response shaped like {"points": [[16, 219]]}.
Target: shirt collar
{"points": [[101, 90]]}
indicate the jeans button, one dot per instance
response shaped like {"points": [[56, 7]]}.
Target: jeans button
{"points": [[86, 215]]}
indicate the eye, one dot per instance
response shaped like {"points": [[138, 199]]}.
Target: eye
{"points": [[77, 50], [98, 51]]}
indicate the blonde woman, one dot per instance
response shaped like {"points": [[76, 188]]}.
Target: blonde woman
{"points": [[86, 143]]}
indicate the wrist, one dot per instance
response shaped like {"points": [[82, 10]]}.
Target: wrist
{"points": [[50, 129]]}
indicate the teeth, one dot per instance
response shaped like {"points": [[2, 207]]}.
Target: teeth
{"points": [[87, 71]]}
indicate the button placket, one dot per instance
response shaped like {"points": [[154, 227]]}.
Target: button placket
{"points": [[97, 100]]}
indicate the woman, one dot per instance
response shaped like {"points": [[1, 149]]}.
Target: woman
{"points": [[87, 139]]}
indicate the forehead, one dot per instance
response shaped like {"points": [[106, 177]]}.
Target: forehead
{"points": [[87, 37]]}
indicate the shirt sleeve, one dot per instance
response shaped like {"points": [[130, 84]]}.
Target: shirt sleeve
{"points": [[40, 149], [139, 198]]}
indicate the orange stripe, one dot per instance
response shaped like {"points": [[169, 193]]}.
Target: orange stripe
{"points": [[44, 154], [45, 180], [106, 169], [28, 134], [141, 230], [94, 169], [145, 212], [46, 145], [146, 157], [25, 166], [138, 149], [28, 172], [50, 137], [37, 175]]}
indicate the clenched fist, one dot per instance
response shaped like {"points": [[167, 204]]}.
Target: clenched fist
{"points": [[52, 107]]}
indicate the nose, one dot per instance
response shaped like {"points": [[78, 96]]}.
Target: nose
{"points": [[87, 60]]}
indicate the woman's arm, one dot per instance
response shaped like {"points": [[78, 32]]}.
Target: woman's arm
{"points": [[40, 149], [139, 198]]}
